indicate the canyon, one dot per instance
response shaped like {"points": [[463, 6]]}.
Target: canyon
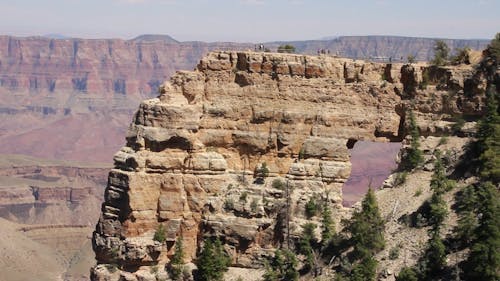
{"points": [[235, 149], [72, 99], [48, 209], [50, 87]]}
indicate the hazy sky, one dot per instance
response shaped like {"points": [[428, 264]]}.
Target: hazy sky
{"points": [[251, 20]]}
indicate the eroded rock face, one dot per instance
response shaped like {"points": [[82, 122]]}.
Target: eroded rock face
{"points": [[236, 148]]}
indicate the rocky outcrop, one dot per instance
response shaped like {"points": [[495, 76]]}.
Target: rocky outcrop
{"points": [[50, 86], [236, 148]]}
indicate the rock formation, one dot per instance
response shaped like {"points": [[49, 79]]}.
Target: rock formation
{"points": [[48, 86], [236, 148]]}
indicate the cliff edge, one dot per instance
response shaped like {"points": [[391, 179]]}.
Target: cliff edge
{"points": [[236, 148]]}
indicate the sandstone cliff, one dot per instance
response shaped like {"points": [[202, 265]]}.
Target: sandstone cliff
{"points": [[237, 147], [84, 91]]}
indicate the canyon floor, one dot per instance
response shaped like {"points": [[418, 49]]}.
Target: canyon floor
{"points": [[48, 210]]}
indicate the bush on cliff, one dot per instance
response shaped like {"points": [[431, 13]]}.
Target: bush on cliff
{"points": [[160, 234], [441, 53], [286, 49]]}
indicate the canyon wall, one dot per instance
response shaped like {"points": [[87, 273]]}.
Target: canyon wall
{"points": [[83, 92], [236, 149]]}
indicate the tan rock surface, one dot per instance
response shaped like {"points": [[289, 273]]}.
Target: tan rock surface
{"points": [[195, 155]]}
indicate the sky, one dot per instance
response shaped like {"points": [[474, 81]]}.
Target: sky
{"points": [[251, 20]]}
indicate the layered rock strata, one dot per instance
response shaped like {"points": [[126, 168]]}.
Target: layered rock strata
{"points": [[236, 149]]}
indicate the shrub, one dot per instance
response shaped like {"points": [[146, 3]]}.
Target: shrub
{"points": [[418, 192], [394, 252], [112, 268], [407, 274], [301, 153], [278, 184], [261, 172], [425, 80], [400, 178], [461, 56], [286, 49], [153, 269], [443, 140], [456, 128], [160, 234], [254, 205], [229, 204], [311, 208], [243, 196]]}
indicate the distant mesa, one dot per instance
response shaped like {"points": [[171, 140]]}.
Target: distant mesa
{"points": [[154, 37]]}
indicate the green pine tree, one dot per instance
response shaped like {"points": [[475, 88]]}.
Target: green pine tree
{"points": [[484, 259], [466, 204], [494, 47], [441, 53], [367, 228], [439, 182], [434, 259], [438, 210], [365, 270], [177, 260], [306, 244], [212, 262], [489, 139], [283, 267], [414, 156], [327, 225]]}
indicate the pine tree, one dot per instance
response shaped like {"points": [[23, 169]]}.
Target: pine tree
{"points": [[434, 258], [306, 245], [177, 260], [327, 225], [441, 53], [484, 259], [365, 270], [283, 267], [494, 47], [438, 210], [439, 182], [160, 234], [466, 204], [414, 155], [213, 261], [489, 139], [367, 228]]}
